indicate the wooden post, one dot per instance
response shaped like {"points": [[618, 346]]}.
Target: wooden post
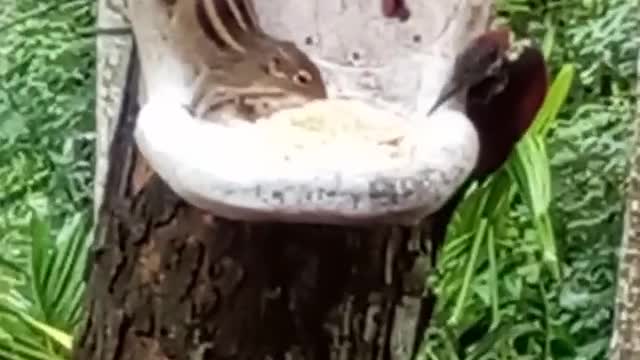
{"points": [[171, 281]]}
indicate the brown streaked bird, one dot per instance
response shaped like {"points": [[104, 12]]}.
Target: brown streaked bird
{"points": [[241, 69], [503, 94]]}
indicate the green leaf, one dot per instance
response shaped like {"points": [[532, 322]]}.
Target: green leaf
{"points": [[556, 97], [62, 338], [470, 268]]}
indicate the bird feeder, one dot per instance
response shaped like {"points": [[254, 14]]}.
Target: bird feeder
{"points": [[370, 153]]}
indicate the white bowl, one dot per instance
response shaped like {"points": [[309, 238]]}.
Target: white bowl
{"points": [[330, 162]]}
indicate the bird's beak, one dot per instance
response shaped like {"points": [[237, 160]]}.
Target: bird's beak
{"points": [[447, 92]]}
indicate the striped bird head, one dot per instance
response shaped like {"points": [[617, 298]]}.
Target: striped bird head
{"points": [[271, 77], [252, 58], [282, 64]]}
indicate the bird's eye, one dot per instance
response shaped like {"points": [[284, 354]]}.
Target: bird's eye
{"points": [[275, 62], [302, 77], [274, 67], [490, 55], [495, 52]]}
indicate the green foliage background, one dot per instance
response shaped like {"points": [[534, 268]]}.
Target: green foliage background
{"points": [[46, 110], [46, 168], [541, 317], [588, 152], [47, 156]]}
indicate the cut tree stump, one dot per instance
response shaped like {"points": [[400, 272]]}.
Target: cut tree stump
{"points": [[171, 281]]}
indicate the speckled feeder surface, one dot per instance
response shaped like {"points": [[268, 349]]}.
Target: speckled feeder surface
{"points": [[332, 161]]}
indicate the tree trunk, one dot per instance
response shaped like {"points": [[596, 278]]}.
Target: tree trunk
{"points": [[625, 342], [171, 281]]}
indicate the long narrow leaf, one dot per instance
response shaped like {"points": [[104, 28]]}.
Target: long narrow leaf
{"points": [[40, 247], [68, 268], [493, 278], [60, 337], [470, 268], [556, 97]]}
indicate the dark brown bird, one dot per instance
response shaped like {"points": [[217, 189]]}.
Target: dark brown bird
{"points": [[504, 86], [483, 58]]}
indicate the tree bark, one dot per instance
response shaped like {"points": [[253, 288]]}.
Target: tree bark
{"points": [[625, 342], [170, 281]]}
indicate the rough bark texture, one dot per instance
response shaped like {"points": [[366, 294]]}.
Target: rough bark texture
{"points": [[625, 342], [172, 282]]}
